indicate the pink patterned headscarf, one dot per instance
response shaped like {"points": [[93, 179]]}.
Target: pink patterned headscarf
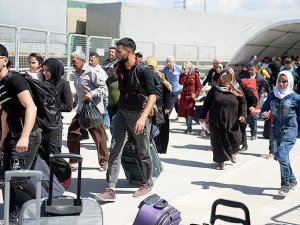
{"points": [[227, 82], [190, 66]]}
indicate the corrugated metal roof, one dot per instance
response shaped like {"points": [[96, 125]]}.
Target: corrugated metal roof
{"points": [[272, 41]]}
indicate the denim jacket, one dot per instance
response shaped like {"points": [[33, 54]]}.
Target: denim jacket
{"points": [[285, 113]]}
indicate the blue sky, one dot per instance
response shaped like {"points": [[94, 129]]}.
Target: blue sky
{"points": [[275, 10]]}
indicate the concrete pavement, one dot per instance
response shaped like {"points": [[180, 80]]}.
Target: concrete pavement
{"points": [[191, 184]]}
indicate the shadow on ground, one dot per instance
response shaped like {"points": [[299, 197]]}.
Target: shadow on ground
{"points": [[248, 190], [89, 186], [189, 163], [191, 146]]}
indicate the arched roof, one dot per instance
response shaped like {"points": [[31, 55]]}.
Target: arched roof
{"points": [[271, 41]]}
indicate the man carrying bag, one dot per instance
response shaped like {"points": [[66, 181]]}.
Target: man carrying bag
{"points": [[90, 86]]}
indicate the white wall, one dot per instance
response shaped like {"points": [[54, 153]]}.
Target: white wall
{"points": [[50, 15]]}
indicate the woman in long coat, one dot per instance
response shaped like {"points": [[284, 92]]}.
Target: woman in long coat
{"points": [[191, 87], [227, 106]]}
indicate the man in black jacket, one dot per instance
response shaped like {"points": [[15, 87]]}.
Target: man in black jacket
{"points": [[133, 116]]}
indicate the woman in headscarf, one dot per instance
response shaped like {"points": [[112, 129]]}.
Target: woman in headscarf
{"points": [[53, 71], [227, 106], [161, 120], [191, 87], [284, 104]]}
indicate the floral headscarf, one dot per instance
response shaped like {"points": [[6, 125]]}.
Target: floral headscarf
{"points": [[227, 82], [190, 66]]}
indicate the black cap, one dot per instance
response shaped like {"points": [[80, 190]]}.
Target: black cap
{"points": [[139, 54], [3, 51]]}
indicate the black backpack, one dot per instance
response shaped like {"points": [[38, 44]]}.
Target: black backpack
{"points": [[45, 98]]}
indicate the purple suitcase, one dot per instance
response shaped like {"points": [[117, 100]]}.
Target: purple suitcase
{"points": [[156, 211]]}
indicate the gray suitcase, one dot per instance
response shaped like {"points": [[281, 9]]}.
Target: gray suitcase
{"points": [[22, 173], [63, 210]]}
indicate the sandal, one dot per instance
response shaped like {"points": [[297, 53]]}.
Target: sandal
{"points": [[220, 166]]}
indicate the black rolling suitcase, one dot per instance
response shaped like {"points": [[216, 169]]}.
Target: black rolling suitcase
{"points": [[63, 210], [233, 204], [26, 191], [132, 164]]}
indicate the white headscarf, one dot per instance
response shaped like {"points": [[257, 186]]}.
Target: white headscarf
{"points": [[281, 93]]}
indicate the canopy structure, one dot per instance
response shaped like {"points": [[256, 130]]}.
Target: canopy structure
{"points": [[274, 40]]}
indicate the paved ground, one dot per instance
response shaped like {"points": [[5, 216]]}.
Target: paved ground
{"points": [[191, 184]]}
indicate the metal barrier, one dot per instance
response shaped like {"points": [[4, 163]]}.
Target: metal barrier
{"points": [[31, 40], [9, 38], [100, 45], [147, 48], [76, 42], [207, 53], [164, 50], [187, 53], [20, 42]]}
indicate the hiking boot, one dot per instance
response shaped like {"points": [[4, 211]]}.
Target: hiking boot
{"points": [[108, 195], [143, 190], [284, 190], [293, 184], [13, 217], [244, 148]]}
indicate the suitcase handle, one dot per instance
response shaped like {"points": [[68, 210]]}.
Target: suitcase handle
{"points": [[232, 204], [161, 204], [52, 157], [22, 173], [152, 199]]}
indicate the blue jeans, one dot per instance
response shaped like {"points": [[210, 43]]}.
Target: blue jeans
{"points": [[189, 121], [106, 115], [253, 124], [281, 144], [173, 100]]}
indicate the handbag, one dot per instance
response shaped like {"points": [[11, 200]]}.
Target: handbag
{"points": [[90, 115]]}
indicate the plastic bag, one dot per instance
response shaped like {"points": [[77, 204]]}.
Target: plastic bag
{"points": [[90, 115]]}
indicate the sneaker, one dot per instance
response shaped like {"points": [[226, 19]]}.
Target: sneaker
{"points": [[13, 217], [103, 168], [203, 133], [233, 158], [293, 184], [143, 190], [108, 195], [253, 137], [188, 131], [284, 190], [244, 148], [220, 166]]}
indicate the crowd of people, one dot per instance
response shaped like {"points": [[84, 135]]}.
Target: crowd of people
{"points": [[133, 95]]}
